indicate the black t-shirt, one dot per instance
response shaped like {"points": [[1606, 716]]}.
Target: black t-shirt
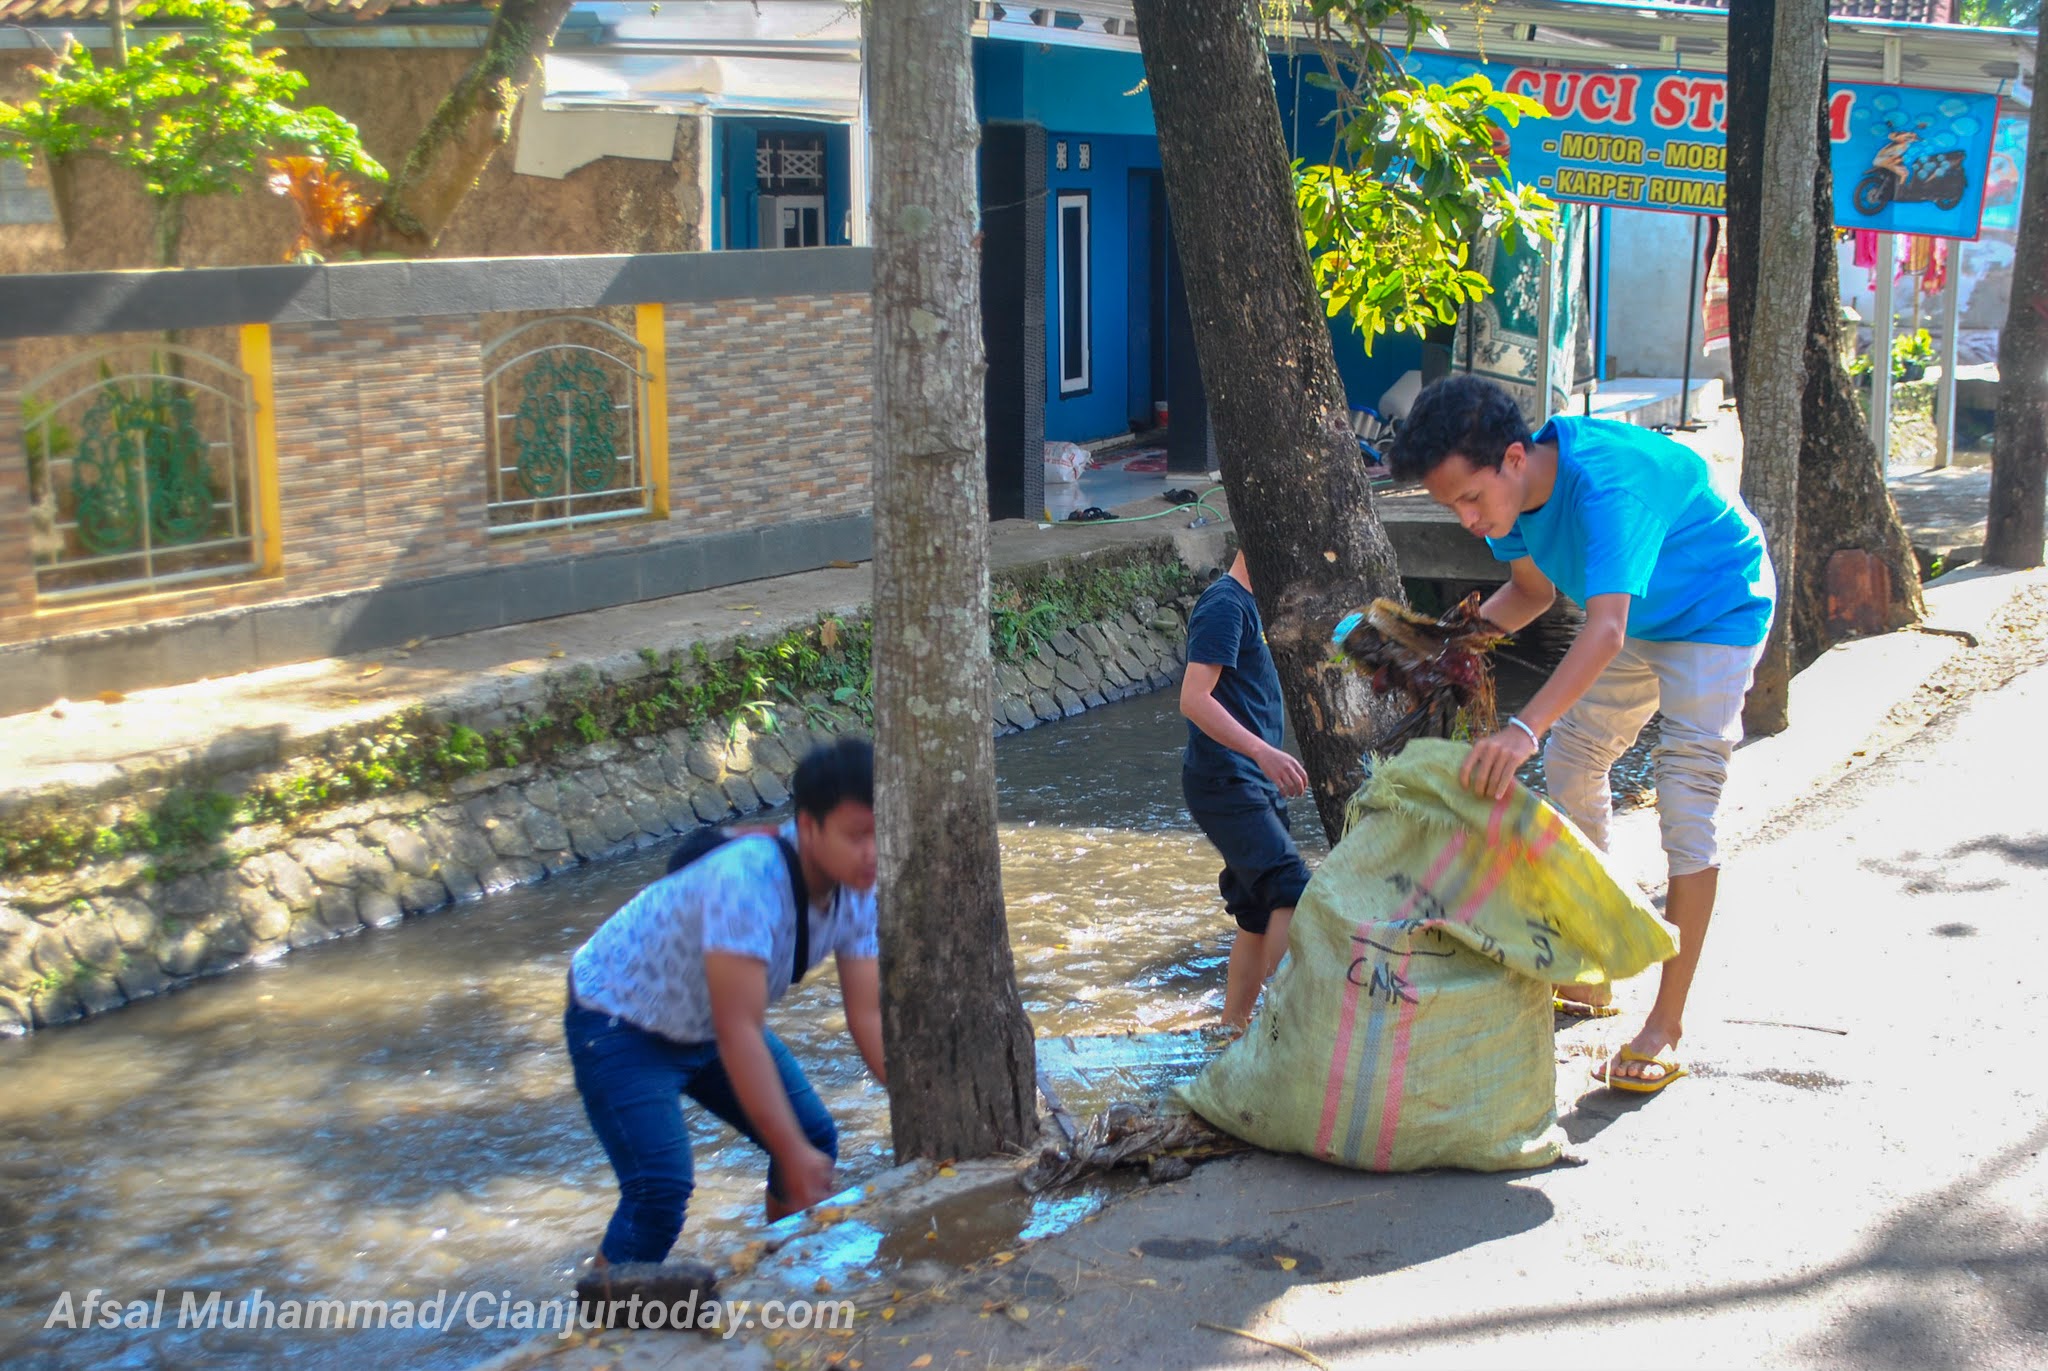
{"points": [[1225, 631]]}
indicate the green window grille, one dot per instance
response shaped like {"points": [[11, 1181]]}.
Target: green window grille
{"points": [[141, 466], [566, 402]]}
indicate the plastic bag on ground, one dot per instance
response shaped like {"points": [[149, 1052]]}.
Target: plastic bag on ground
{"points": [[1064, 463], [1411, 1025]]}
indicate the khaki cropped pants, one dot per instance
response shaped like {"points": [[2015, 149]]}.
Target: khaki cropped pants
{"points": [[1699, 687]]}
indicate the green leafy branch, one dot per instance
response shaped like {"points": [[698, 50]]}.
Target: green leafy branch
{"points": [[1417, 175]]}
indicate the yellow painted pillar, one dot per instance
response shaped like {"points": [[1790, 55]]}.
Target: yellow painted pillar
{"points": [[650, 327], [263, 426]]}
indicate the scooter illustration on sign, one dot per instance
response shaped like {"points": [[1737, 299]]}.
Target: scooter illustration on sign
{"points": [[1936, 176]]}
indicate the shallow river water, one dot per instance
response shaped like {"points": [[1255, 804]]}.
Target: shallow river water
{"points": [[392, 1115]]}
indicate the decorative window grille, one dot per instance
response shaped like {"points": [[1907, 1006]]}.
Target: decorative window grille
{"points": [[790, 162], [566, 402], [142, 475]]}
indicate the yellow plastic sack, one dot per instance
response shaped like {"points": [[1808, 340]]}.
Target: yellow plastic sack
{"points": [[1411, 1025]]}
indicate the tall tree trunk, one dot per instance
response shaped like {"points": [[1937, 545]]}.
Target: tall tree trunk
{"points": [[1843, 502], [962, 1063], [1297, 488], [473, 122], [2019, 445], [1775, 215]]}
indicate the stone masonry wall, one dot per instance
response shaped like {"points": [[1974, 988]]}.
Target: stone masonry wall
{"points": [[85, 942]]}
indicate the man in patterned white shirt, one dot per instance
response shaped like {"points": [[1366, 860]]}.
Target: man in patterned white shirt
{"points": [[669, 998]]}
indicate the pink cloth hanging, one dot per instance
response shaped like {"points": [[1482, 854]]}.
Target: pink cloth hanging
{"points": [[1866, 249]]}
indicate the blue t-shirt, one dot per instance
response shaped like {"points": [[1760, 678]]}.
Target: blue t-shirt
{"points": [[1225, 631], [1634, 513]]}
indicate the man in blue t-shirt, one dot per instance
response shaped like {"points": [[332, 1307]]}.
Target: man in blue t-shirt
{"points": [[670, 997], [1237, 781], [1678, 593]]}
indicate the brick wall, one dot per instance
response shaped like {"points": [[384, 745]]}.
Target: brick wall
{"points": [[771, 407], [380, 436]]}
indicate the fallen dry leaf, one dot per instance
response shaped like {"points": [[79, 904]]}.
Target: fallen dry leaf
{"points": [[949, 1172], [828, 635], [1019, 1312], [371, 670], [110, 697], [411, 643], [1004, 1258], [823, 1287], [738, 606], [557, 653], [1286, 1263], [844, 566], [922, 1359]]}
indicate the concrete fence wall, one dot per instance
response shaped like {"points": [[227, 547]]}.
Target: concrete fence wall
{"points": [[378, 414]]}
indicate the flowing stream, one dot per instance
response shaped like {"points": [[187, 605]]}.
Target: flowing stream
{"points": [[390, 1116]]}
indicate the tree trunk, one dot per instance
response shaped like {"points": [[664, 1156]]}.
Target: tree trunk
{"points": [[473, 122], [1843, 502], [2019, 445], [1776, 220], [167, 227], [962, 1064], [1297, 488]]}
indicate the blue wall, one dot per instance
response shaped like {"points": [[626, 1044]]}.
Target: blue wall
{"points": [[1102, 410], [1069, 88], [1303, 109], [735, 221]]}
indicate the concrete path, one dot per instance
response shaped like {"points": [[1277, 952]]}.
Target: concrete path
{"points": [[254, 720]]}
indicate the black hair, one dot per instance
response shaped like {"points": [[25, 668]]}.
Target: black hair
{"points": [[1458, 416], [832, 774]]}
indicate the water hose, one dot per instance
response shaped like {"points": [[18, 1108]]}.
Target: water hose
{"points": [[1199, 503]]}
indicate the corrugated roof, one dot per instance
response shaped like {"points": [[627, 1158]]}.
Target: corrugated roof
{"points": [[84, 11], [1895, 11]]}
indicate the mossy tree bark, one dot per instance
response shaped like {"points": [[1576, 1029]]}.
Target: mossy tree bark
{"points": [[2019, 446], [1843, 502], [962, 1064], [472, 123], [1775, 216], [1297, 488]]}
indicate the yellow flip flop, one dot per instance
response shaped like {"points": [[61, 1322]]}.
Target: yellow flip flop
{"points": [[1672, 1071], [1579, 1009]]}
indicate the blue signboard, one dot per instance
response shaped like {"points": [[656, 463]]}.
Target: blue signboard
{"points": [[1906, 159]]}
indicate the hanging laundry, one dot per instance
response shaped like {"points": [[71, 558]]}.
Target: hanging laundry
{"points": [[1934, 279], [1866, 249]]}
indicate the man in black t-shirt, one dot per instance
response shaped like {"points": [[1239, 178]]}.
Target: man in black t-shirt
{"points": [[1237, 781]]}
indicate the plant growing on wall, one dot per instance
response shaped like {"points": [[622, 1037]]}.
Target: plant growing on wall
{"points": [[1417, 174], [192, 111]]}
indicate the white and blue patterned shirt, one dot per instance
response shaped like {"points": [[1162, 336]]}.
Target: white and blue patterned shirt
{"points": [[645, 965]]}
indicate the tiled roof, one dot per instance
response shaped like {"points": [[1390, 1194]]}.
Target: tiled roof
{"points": [[86, 11], [1899, 11]]}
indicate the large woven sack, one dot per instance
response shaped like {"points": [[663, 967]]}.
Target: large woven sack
{"points": [[1411, 1024]]}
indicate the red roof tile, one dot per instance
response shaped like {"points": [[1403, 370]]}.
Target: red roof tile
{"points": [[86, 11]]}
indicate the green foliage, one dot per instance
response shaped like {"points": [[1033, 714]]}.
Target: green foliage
{"points": [[1023, 613], [1417, 175], [1911, 352], [192, 111], [2000, 14]]}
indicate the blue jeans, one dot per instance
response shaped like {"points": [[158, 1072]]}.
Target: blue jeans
{"points": [[632, 1083]]}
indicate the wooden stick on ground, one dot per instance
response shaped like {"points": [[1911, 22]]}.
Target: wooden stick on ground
{"points": [[1311, 1358]]}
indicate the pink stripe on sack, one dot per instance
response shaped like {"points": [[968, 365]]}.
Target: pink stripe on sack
{"points": [[1347, 1019], [1397, 1074]]}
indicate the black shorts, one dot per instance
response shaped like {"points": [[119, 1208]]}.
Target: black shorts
{"points": [[1262, 868]]}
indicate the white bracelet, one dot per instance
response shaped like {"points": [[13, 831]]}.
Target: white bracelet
{"points": [[1534, 741]]}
